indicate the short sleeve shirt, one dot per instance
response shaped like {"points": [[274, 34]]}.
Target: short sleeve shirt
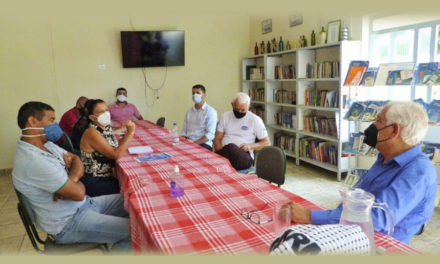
{"points": [[38, 175], [241, 130], [124, 113], [68, 120]]}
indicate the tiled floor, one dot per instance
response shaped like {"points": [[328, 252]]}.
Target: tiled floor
{"points": [[312, 183]]}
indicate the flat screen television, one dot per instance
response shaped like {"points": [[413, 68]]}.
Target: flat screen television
{"points": [[153, 48]]}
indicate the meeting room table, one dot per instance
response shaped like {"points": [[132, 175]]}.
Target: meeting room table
{"points": [[207, 219]]}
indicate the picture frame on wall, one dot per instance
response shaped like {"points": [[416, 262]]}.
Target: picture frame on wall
{"points": [[295, 20], [266, 26], [333, 31]]}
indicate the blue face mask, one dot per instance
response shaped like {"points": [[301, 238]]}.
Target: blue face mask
{"points": [[52, 132], [197, 98]]}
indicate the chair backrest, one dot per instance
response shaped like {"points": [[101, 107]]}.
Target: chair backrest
{"points": [[161, 121], [28, 218], [271, 164], [66, 143], [49, 245]]}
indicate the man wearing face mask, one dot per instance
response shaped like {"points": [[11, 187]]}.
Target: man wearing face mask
{"points": [[200, 120], [69, 118], [402, 176], [49, 179], [121, 110], [237, 132]]}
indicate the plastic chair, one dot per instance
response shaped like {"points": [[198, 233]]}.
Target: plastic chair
{"points": [[271, 164], [49, 245], [66, 143], [161, 121]]}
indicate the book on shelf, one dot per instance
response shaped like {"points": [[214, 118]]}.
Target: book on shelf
{"points": [[400, 77], [319, 150], [284, 96], [321, 98], [427, 74], [258, 110], [286, 119], [284, 72], [387, 69], [256, 94], [254, 73], [284, 141], [356, 70], [369, 77], [320, 70], [320, 124]]}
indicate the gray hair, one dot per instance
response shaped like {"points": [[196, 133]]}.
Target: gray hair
{"points": [[411, 116], [242, 98]]}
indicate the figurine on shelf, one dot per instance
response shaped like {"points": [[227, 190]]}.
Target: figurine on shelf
{"points": [[322, 36], [312, 39], [296, 44], [269, 50], [256, 49], [281, 44], [274, 45], [288, 47], [302, 41], [262, 47]]}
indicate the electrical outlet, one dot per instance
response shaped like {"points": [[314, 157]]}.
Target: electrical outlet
{"points": [[101, 66]]}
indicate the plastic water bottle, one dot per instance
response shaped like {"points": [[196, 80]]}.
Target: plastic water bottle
{"points": [[175, 133], [176, 183]]}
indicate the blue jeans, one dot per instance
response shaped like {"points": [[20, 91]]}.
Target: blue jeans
{"points": [[100, 219]]}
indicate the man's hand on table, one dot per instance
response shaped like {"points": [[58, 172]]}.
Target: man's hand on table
{"points": [[299, 214]]}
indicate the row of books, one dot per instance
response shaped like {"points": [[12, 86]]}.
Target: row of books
{"points": [[357, 146], [320, 150], [285, 72], [320, 124], [405, 73], [258, 110], [257, 94], [286, 119], [367, 111], [284, 96], [284, 141], [254, 73], [322, 98], [326, 69]]}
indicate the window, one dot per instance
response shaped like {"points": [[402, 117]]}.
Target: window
{"points": [[399, 42]]}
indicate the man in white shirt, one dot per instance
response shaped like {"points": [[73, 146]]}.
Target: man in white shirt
{"points": [[237, 132], [200, 120]]}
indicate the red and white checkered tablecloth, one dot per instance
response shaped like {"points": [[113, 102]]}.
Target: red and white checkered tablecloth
{"points": [[206, 220]]}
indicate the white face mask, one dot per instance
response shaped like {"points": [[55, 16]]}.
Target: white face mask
{"points": [[197, 98], [104, 118], [121, 98]]}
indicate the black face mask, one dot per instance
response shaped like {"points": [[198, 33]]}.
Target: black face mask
{"points": [[238, 114], [371, 135]]}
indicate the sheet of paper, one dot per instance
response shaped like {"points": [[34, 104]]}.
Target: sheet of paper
{"points": [[140, 149]]}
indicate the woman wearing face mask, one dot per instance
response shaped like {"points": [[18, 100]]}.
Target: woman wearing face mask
{"points": [[100, 149]]}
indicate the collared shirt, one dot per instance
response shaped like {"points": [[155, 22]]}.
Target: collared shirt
{"points": [[123, 113], [68, 120], [38, 175], [407, 184], [241, 130], [199, 123]]}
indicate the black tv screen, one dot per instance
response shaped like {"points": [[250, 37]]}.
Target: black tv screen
{"points": [[153, 48]]}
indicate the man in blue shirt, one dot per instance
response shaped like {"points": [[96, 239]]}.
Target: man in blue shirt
{"points": [[49, 178], [402, 176], [200, 120]]}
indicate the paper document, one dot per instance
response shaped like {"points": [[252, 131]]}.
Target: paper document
{"points": [[140, 149], [153, 157]]}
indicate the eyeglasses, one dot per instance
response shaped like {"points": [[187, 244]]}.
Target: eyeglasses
{"points": [[253, 216]]}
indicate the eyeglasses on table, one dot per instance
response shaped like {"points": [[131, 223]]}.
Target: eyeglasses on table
{"points": [[253, 215]]}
